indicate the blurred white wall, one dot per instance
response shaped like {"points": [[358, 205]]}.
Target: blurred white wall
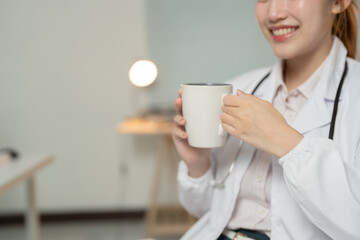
{"points": [[64, 86], [63, 89], [202, 41]]}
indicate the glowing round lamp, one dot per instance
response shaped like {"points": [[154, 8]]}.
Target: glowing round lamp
{"points": [[143, 73]]}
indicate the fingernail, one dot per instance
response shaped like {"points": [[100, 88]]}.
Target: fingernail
{"points": [[239, 92]]}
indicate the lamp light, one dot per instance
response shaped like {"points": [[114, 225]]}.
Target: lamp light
{"points": [[143, 73]]}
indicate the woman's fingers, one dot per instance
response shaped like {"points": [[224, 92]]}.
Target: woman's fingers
{"points": [[232, 111], [178, 105], [228, 120], [180, 133], [179, 120], [232, 100], [228, 128], [232, 125], [241, 99]]}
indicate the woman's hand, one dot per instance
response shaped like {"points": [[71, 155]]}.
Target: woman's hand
{"points": [[258, 123], [197, 159]]}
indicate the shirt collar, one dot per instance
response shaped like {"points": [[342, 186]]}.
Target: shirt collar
{"points": [[326, 87], [305, 88]]}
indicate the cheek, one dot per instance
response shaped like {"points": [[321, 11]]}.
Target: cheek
{"points": [[260, 14], [315, 16], [316, 26], [260, 11]]}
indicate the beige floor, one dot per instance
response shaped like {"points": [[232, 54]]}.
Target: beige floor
{"points": [[90, 230]]}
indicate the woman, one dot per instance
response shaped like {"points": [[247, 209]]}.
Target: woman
{"points": [[295, 176]]}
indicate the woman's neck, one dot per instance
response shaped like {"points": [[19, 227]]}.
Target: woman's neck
{"points": [[298, 70]]}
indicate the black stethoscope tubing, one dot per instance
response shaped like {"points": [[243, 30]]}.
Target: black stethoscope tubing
{"points": [[221, 184]]}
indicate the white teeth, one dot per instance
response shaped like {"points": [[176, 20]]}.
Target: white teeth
{"points": [[283, 31]]}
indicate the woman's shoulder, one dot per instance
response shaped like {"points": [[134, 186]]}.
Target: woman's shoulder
{"points": [[248, 80]]}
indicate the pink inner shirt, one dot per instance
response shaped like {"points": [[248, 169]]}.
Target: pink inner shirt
{"points": [[252, 210]]}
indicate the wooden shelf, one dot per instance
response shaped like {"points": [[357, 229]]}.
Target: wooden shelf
{"points": [[145, 126]]}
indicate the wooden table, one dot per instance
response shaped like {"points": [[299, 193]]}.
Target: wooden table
{"points": [[24, 169], [160, 219]]}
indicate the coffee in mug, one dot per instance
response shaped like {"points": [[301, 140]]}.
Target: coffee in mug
{"points": [[201, 106]]}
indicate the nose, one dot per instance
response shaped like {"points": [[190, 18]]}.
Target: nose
{"points": [[277, 10]]}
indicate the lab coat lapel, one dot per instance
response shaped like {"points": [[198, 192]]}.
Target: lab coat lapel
{"points": [[315, 112], [242, 162], [315, 108], [313, 115], [232, 151]]}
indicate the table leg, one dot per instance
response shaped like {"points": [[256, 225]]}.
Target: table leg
{"points": [[165, 219], [32, 217], [151, 214]]}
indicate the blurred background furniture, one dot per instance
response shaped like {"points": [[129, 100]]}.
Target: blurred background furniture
{"points": [[64, 87], [63, 82], [161, 219], [25, 169]]}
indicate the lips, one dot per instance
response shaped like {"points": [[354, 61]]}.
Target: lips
{"points": [[283, 33]]}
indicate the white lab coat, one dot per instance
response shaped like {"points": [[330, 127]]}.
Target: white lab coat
{"points": [[315, 187]]}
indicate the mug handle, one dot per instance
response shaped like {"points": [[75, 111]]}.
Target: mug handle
{"points": [[221, 131]]}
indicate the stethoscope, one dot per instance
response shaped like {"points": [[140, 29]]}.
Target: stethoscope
{"points": [[221, 184]]}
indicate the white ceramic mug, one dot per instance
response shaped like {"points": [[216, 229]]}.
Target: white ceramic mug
{"points": [[201, 106]]}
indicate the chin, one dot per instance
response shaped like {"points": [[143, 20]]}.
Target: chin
{"points": [[283, 55], [284, 52]]}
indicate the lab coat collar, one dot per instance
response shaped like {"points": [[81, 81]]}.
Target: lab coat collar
{"points": [[325, 90], [316, 107], [334, 69]]}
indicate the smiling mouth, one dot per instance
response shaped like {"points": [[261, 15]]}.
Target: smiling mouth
{"points": [[283, 33]]}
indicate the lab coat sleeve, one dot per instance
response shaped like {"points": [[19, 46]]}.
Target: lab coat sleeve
{"points": [[195, 194], [325, 187]]}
